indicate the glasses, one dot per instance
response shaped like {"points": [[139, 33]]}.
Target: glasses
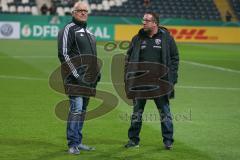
{"points": [[147, 20], [81, 11]]}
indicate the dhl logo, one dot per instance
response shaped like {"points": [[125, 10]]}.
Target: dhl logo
{"points": [[188, 34]]}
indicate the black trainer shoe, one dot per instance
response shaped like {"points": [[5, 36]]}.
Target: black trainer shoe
{"points": [[131, 144], [168, 145]]}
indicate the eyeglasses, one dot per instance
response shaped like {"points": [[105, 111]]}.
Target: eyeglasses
{"points": [[80, 11], [147, 20]]}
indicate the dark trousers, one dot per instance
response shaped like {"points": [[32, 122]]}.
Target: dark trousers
{"points": [[162, 104]]}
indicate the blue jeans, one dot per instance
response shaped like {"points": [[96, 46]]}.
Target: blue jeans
{"points": [[76, 116]]}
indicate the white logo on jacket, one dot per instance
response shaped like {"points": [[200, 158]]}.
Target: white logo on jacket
{"points": [[158, 41]]}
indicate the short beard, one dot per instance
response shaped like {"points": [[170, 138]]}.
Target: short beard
{"points": [[147, 31]]}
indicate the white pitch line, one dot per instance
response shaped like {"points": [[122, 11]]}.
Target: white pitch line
{"points": [[34, 57], [186, 87], [110, 56], [208, 88], [55, 57], [211, 66], [110, 83], [22, 78]]}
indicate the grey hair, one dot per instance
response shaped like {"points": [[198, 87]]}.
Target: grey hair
{"points": [[80, 3]]}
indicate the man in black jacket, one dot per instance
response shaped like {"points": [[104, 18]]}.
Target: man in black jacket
{"points": [[151, 71], [77, 53]]}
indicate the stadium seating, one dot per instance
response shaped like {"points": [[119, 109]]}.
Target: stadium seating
{"points": [[187, 9], [236, 6], [190, 9], [19, 6]]}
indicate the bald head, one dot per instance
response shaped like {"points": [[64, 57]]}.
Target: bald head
{"points": [[80, 11]]}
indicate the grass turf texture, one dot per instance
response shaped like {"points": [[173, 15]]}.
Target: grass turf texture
{"points": [[206, 109]]}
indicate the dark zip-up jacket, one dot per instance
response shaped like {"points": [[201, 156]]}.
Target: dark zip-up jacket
{"points": [[170, 54], [69, 54]]}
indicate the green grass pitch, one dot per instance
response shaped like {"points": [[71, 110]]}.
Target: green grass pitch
{"points": [[206, 108]]}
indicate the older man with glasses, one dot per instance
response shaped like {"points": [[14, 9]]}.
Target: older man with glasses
{"points": [[75, 43]]}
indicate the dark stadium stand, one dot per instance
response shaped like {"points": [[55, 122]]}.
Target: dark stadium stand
{"points": [[61, 3], [19, 6], [236, 6], [187, 9]]}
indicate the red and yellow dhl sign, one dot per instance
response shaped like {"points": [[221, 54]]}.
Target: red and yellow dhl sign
{"points": [[187, 33]]}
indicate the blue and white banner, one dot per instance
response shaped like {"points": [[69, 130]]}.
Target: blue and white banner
{"points": [[9, 30]]}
